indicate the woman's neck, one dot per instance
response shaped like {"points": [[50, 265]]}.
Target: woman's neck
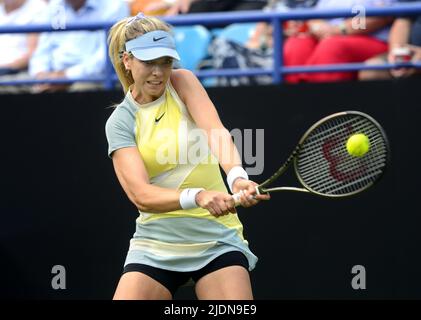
{"points": [[140, 97]]}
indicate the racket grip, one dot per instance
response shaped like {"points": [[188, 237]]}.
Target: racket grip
{"points": [[237, 196]]}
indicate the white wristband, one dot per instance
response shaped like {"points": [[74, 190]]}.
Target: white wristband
{"points": [[233, 174], [188, 198]]}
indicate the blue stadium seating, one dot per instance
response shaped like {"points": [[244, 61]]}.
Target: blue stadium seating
{"points": [[238, 32], [192, 45]]}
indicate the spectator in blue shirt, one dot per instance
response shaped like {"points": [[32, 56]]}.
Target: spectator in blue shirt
{"points": [[75, 54]]}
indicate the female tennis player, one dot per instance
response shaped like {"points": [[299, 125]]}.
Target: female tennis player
{"points": [[188, 227]]}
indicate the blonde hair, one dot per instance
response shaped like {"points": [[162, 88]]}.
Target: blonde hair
{"points": [[123, 31]]}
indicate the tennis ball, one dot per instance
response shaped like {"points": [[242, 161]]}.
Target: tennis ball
{"points": [[358, 145]]}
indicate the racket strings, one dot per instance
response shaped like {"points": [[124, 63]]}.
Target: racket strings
{"points": [[332, 188], [324, 164], [343, 172], [339, 168], [307, 167], [313, 147]]}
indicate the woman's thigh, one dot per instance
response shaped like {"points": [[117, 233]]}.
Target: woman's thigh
{"points": [[231, 283], [139, 286]]}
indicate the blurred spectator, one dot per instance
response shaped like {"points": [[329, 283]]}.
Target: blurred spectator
{"points": [[257, 52], [150, 7], [337, 41], [194, 6], [405, 34], [75, 54], [263, 35], [16, 49]]}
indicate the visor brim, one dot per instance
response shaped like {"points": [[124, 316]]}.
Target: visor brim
{"points": [[155, 53]]}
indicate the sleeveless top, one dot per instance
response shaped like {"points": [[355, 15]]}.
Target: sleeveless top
{"points": [[176, 156]]}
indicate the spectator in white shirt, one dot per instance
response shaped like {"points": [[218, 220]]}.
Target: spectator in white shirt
{"points": [[75, 54], [16, 49]]}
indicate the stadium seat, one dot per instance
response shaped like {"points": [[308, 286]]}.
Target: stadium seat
{"points": [[215, 32], [192, 45], [238, 32]]}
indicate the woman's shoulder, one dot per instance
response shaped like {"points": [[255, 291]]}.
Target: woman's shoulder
{"points": [[182, 80], [181, 74]]}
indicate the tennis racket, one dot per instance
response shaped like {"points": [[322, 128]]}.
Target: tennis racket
{"points": [[322, 163]]}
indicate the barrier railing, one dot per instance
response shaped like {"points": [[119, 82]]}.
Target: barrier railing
{"points": [[225, 18]]}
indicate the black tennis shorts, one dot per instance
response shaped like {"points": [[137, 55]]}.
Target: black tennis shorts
{"points": [[172, 280]]}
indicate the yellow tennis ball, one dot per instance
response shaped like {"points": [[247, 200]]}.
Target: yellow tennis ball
{"points": [[358, 145]]}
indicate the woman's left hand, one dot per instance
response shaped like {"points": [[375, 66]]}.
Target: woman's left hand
{"points": [[249, 197]]}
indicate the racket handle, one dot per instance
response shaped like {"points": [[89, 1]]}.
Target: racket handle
{"points": [[237, 196]]}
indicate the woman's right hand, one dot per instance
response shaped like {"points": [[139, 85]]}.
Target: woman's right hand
{"points": [[216, 202]]}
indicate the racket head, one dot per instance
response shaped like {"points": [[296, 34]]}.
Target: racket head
{"points": [[323, 164]]}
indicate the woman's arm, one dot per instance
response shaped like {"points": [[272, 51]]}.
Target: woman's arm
{"points": [[23, 61], [399, 33], [204, 113], [133, 177], [261, 37], [399, 37], [323, 29], [372, 24]]}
